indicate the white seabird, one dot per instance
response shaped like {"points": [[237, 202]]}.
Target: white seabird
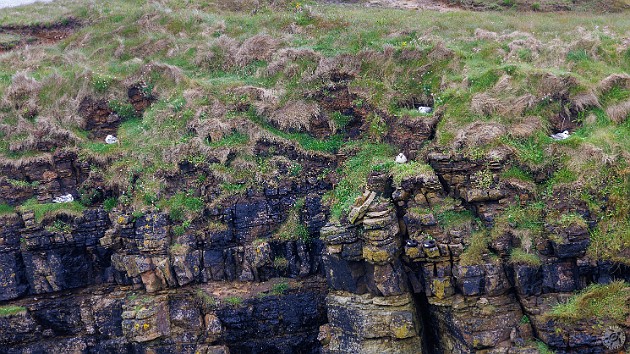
{"points": [[425, 109], [110, 139], [561, 136], [64, 199], [401, 158]]}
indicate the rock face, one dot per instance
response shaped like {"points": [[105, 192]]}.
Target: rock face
{"points": [[401, 260], [370, 309], [44, 178], [97, 281], [400, 272], [113, 319]]}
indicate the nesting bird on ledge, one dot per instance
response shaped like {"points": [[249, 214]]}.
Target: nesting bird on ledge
{"points": [[68, 198], [401, 158], [561, 136], [110, 139]]}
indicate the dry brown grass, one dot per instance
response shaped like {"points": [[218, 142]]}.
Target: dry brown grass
{"points": [[484, 104], [22, 93], [295, 115], [26, 161], [341, 67], [440, 52], [620, 80], [502, 99], [585, 101], [283, 61], [526, 127], [44, 136], [551, 85], [517, 42], [169, 72], [212, 124], [259, 47], [479, 134], [618, 113]]}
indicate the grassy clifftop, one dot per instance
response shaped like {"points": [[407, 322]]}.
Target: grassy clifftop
{"points": [[221, 77]]}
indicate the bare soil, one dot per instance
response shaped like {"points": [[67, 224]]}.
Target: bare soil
{"points": [[37, 34]]}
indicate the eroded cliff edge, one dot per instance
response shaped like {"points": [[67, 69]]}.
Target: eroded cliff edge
{"points": [[252, 201]]}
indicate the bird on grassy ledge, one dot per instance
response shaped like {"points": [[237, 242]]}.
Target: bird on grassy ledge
{"points": [[110, 139], [68, 198], [425, 109], [401, 158], [561, 136]]}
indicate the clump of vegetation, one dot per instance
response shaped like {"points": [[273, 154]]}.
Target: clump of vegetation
{"points": [[234, 139], [234, 300], [482, 179], [543, 348], [518, 256], [10, 310], [476, 249], [110, 203], [401, 171], [370, 157], [280, 263], [280, 288], [181, 205], [22, 184], [60, 226], [567, 220], [517, 173], [6, 209], [453, 218], [48, 210], [207, 301], [596, 302], [611, 241], [293, 228]]}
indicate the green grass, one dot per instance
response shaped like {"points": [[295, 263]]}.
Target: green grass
{"points": [[42, 211], [60, 227], [529, 217], [477, 248], [517, 173], [110, 203], [401, 171], [182, 205], [543, 348], [611, 241], [595, 303], [578, 55], [293, 228], [452, 218], [530, 151], [518, 256], [234, 300], [370, 157], [305, 140], [9, 310], [6, 209], [233, 188], [280, 288]]}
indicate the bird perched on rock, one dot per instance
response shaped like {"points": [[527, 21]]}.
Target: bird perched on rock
{"points": [[110, 139], [401, 158], [64, 199], [425, 109], [560, 136]]}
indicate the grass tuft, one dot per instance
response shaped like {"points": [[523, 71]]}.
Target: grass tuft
{"points": [[10, 310], [596, 302], [42, 211]]}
